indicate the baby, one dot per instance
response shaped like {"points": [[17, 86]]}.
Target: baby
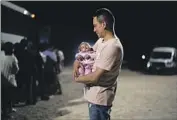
{"points": [[86, 56]]}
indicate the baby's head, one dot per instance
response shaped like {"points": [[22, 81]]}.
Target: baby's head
{"points": [[84, 47]]}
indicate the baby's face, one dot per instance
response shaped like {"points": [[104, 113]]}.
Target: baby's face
{"points": [[84, 48]]}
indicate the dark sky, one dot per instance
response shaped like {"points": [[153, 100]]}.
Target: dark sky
{"points": [[139, 25]]}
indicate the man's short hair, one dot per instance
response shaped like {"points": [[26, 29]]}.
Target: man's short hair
{"points": [[8, 48], [105, 15]]}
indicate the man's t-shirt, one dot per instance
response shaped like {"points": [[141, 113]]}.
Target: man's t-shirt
{"points": [[9, 67], [109, 56]]}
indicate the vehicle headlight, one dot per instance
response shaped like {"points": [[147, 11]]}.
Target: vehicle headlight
{"points": [[148, 65], [169, 64]]}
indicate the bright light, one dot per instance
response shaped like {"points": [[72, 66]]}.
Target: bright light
{"points": [[33, 15], [143, 57], [25, 12], [148, 64]]}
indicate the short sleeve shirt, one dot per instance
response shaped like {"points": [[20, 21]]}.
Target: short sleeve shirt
{"points": [[109, 56]]}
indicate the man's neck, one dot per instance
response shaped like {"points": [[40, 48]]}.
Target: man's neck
{"points": [[108, 36]]}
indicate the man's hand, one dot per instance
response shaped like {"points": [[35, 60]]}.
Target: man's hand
{"points": [[91, 78], [75, 69]]}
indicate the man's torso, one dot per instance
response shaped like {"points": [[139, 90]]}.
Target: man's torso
{"points": [[99, 94]]}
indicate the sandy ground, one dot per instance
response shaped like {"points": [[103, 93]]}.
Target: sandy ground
{"points": [[138, 97]]}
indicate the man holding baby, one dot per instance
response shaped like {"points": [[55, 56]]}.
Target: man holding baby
{"points": [[101, 82]]}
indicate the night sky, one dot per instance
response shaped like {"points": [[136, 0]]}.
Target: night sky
{"points": [[139, 25]]}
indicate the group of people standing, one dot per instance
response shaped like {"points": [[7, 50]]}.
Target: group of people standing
{"points": [[28, 72]]}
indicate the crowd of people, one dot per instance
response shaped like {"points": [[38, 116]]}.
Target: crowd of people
{"points": [[28, 72]]}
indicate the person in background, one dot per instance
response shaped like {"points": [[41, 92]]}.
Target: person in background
{"points": [[49, 69], [9, 68]]}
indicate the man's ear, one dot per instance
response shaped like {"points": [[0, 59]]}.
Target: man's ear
{"points": [[104, 24]]}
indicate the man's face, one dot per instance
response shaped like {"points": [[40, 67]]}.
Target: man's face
{"points": [[98, 27]]}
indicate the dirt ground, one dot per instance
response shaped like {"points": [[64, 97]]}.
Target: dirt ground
{"points": [[138, 97]]}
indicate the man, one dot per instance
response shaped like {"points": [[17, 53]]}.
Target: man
{"points": [[109, 57], [9, 67], [62, 58], [40, 60], [59, 68], [26, 75], [49, 70]]}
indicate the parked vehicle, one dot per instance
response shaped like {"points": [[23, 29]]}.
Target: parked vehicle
{"points": [[162, 59]]}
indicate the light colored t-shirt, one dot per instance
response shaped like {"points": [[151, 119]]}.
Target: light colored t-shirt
{"points": [[61, 54], [9, 67], [109, 56]]}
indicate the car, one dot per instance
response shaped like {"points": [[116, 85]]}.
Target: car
{"points": [[162, 60]]}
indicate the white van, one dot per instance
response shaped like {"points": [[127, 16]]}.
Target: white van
{"points": [[162, 58]]}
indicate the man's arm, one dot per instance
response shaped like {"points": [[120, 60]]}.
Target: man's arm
{"points": [[91, 78], [76, 65], [106, 63], [15, 66]]}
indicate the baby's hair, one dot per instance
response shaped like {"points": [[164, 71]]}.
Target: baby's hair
{"points": [[83, 43]]}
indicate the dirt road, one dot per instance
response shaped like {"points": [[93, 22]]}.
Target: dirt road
{"points": [[139, 96]]}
